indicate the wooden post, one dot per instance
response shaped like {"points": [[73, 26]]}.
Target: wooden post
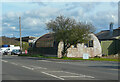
{"points": [[20, 34]]}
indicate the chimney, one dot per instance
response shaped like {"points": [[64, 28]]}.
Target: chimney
{"points": [[111, 28]]}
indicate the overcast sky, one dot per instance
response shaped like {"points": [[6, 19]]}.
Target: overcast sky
{"points": [[34, 15]]}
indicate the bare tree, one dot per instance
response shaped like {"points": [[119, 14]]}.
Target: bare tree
{"points": [[69, 31]]}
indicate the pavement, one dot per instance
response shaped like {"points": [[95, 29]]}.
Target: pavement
{"points": [[32, 68]]}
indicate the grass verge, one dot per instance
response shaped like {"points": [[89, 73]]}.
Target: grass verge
{"points": [[66, 58]]}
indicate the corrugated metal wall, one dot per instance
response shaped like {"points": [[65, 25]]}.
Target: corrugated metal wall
{"points": [[110, 47]]}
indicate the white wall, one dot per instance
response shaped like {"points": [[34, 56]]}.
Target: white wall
{"points": [[81, 49]]}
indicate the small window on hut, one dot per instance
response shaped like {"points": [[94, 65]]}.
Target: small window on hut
{"points": [[75, 46], [90, 44]]}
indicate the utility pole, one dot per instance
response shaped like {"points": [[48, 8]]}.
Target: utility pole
{"points": [[20, 34]]}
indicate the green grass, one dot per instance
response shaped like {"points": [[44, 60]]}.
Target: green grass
{"points": [[92, 59], [66, 58]]}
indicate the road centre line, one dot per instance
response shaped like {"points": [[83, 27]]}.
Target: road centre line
{"points": [[28, 67], [53, 75], [44, 60], [72, 73], [59, 77], [89, 76], [4, 60], [64, 62], [33, 67], [55, 71], [114, 69], [14, 63], [37, 67], [78, 76], [72, 76]]}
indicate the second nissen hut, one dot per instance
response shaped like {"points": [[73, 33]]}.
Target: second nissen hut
{"points": [[47, 46]]}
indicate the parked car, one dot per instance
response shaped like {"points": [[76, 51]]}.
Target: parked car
{"points": [[16, 52], [7, 51]]}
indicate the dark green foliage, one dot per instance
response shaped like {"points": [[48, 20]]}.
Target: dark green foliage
{"points": [[25, 46], [69, 31]]}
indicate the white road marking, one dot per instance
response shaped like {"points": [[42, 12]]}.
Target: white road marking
{"points": [[89, 76], [53, 75], [114, 69], [73, 74], [37, 67], [54, 71], [28, 67], [80, 74], [44, 60], [14, 63], [4, 60]]}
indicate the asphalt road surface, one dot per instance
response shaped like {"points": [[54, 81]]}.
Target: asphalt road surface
{"points": [[29, 68]]}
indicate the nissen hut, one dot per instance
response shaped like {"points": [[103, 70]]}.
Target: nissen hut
{"points": [[47, 46]]}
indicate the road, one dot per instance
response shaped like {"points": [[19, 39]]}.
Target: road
{"points": [[29, 68]]}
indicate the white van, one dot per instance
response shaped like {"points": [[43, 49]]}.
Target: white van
{"points": [[3, 49], [9, 50]]}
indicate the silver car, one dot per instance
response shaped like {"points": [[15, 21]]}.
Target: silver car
{"points": [[16, 52]]}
